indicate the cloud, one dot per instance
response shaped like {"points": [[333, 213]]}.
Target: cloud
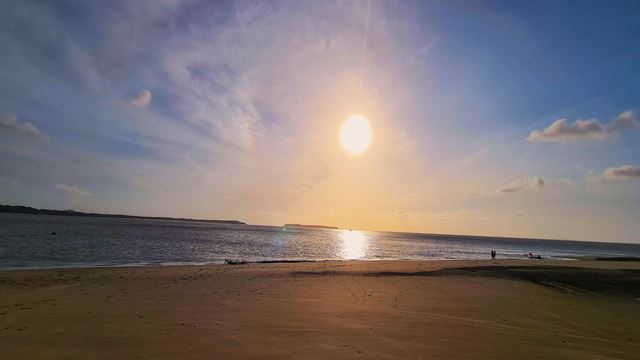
{"points": [[11, 124], [84, 67], [622, 172], [72, 190], [217, 97], [561, 132], [532, 183], [142, 99]]}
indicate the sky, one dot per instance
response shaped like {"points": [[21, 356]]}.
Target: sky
{"points": [[500, 118]]}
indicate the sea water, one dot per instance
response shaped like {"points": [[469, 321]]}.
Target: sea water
{"points": [[26, 241]]}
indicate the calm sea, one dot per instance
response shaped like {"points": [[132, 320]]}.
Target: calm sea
{"points": [[26, 242]]}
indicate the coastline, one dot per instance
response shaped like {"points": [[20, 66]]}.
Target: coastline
{"points": [[28, 210], [326, 309], [232, 262]]}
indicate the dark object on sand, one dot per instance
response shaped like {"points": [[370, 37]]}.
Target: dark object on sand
{"points": [[53, 233], [235, 262], [493, 254]]}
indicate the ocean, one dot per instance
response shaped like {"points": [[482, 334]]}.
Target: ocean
{"points": [[26, 242]]}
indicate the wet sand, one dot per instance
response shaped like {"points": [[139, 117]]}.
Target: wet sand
{"points": [[326, 310]]}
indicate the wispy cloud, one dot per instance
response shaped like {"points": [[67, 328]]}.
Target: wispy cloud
{"points": [[83, 67], [9, 123], [216, 96], [73, 190], [561, 131], [532, 183], [143, 99]]}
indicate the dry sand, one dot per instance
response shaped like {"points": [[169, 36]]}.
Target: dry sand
{"points": [[326, 310]]}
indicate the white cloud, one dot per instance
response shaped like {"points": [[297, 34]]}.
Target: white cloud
{"points": [[622, 172], [562, 132], [10, 123], [532, 183], [72, 190], [142, 99]]}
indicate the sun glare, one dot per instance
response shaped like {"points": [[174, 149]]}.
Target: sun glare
{"points": [[356, 134], [354, 244]]}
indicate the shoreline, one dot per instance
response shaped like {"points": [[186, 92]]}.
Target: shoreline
{"points": [[293, 261]]}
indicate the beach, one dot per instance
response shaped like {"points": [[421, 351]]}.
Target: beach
{"points": [[505, 309]]}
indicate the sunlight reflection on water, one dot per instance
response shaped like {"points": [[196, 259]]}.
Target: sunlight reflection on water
{"points": [[354, 244], [25, 241]]}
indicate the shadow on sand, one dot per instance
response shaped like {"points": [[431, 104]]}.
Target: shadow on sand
{"points": [[568, 279]]}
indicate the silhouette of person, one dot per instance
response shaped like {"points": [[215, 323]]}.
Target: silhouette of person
{"points": [[493, 254]]}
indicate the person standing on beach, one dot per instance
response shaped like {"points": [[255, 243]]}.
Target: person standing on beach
{"points": [[493, 254]]}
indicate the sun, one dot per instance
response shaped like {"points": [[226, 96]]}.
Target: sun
{"points": [[356, 134]]}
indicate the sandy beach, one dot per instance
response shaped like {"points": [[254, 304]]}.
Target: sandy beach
{"points": [[326, 310]]}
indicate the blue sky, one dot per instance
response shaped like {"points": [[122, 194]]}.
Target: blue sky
{"points": [[231, 110]]}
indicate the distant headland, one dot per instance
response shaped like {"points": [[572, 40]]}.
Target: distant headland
{"points": [[16, 209], [303, 226]]}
